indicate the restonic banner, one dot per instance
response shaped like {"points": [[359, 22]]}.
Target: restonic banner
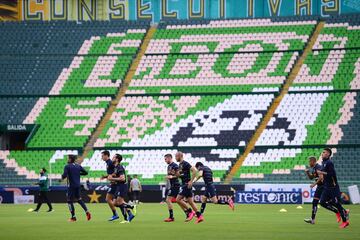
{"points": [[250, 197], [307, 193]]}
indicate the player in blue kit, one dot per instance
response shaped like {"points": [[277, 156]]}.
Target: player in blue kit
{"points": [[172, 172], [110, 195], [72, 172], [330, 196], [210, 191], [119, 179], [187, 173], [313, 175]]}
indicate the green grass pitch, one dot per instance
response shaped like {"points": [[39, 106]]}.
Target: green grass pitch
{"points": [[247, 222]]}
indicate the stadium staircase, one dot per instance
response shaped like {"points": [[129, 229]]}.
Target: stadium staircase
{"points": [[122, 90], [284, 90]]}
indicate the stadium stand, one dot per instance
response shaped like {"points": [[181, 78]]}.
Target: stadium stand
{"points": [[220, 56], [96, 64], [329, 70], [287, 165], [209, 73], [311, 119], [147, 164], [334, 62], [172, 121], [15, 110], [250, 35], [202, 86], [31, 37], [65, 122], [324, 112], [26, 164]]}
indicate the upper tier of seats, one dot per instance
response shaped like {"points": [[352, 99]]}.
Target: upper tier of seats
{"points": [[59, 37], [338, 36], [329, 70], [15, 110], [97, 66], [241, 35], [204, 73]]}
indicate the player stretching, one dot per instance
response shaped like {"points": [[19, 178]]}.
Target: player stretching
{"points": [[72, 172], [312, 174], [172, 171], [210, 191], [186, 188], [119, 178], [331, 194], [110, 195]]}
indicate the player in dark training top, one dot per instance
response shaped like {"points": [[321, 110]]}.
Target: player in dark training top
{"points": [[210, 191], [172, 172], [313, 175], [72, 172], [187, 173], [110, 195], [330, 197], [119, 179]]}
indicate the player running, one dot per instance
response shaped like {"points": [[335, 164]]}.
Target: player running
{"points": [[110, 195], [312, 174], [119, 179], [210, 191], [330, 197], [172, 172], [72, 172], [185, 172]]}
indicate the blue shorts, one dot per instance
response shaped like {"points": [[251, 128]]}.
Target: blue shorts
{"points": [[121, 190], [112, 189], [318, 192], [330, 195], [73, 193], [210, 191], [185, 191], [173, 191]]}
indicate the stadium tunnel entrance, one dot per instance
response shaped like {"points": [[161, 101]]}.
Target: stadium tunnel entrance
{"points": [[15, 136]]}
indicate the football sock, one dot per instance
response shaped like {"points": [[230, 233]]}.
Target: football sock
{"points": [[341, 210], [171, 213], [71, 209], [38, 206], [83, 205], [114, 212], [203, 206], [198, 214], [49, 205], [314, 208], [123, 211]]}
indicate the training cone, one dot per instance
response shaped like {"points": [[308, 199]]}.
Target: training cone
{"points": [[299, 207], [283, 210], [30, 210]]}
